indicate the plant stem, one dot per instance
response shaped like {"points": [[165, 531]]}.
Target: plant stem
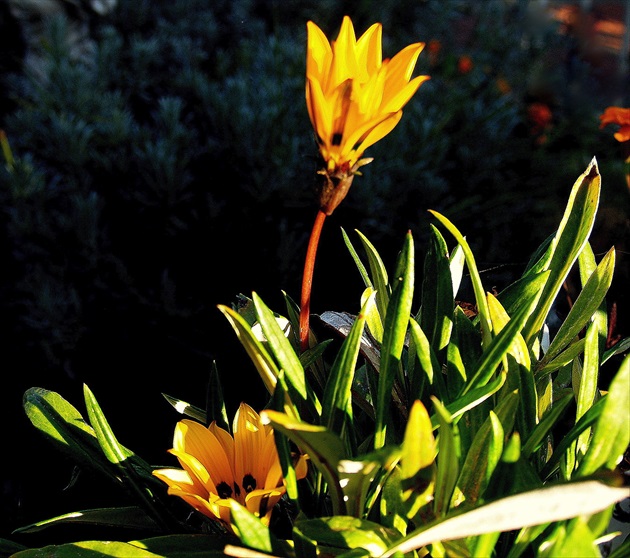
{"points": [[307, 279]]}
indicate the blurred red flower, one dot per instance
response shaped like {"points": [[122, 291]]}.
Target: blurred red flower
{"points": [[619, 116]]}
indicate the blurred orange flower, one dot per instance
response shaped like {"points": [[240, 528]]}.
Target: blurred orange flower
{"points": [[465, 64], [619, 116]]}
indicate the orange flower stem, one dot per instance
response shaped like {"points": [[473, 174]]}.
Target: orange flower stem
{"points": [[307, 279]]}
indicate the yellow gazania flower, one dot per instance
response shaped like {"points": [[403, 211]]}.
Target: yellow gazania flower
{"points": [[354, 97], [218, 467], [620, 116]]}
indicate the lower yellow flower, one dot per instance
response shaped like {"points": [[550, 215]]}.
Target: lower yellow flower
{"points": [[218, 468]]}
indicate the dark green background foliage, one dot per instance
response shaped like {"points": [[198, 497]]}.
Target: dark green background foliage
{"points": [[174, 167]]}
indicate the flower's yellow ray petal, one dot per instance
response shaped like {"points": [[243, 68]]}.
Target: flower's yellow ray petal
{"points": [[344, 64], [225, 439], [261, 502], [402, 96], [319, 55], [370, 51]]}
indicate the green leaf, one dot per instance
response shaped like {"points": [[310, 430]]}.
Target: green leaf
{"points": [[480, 295], [364, 475], [544, 505], [114, 452], [417, 460], [585, 305], [337, 402], [262, 360], [587, 390], [65, 427], [357, 260], [548, 422], [252, 532], [586, 421], [215, 403], [286, 358], [486, 449], [611, 433], [436, 305], [496, 350], [184, 546], [109, 549], [184, 408], [447, 460], [427, 367], [396, 322], [333, 534], [380, 281], [324, 448], [136, 472], [128, 517], [569, 240]]}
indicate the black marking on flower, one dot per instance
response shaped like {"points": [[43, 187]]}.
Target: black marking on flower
{"points": [[224, 490], [249, 483]]}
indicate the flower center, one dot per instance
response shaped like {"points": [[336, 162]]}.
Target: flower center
{"points": [[249, 483], [224, 490]]}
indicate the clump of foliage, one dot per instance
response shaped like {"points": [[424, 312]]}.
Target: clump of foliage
{"points": [[136, 173], [431, 428]]}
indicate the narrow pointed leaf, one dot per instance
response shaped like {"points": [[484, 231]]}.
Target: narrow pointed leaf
{"points": [[286, 357], [380, 281], [261, 359], [572, 234], [252, 532], [396, 322], [480, 295], [584, 307], [337, 402], [65, 427], [325, 449], [436, 304], [611, 434]]}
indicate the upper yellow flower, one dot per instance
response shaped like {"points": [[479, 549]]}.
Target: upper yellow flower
{"points": [[218, 467], [354, 97], [620, 116]]}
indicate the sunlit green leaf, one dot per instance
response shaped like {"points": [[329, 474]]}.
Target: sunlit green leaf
{"points": [[344, 532], [447, 460], [569, 240], [380, 280], [480, 294], [325, 449], [262, 360], [337, 402], [396, 322], [584, 306], [286, 357], [611, 434], [544, 505]]}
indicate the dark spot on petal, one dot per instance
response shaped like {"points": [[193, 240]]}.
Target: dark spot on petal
{"points": [[336, 139], [262, 508], [249, 483], [237, 490], [224, 490]]}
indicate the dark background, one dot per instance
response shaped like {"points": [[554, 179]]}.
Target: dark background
{"points": [[164, 164]]}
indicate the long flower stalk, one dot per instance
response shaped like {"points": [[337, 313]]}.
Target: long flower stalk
{"points": [[307, 279]]}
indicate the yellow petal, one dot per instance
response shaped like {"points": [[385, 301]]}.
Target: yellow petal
{"points": [[262, 502], [344, 64], [319, 54], [370, 51]]}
